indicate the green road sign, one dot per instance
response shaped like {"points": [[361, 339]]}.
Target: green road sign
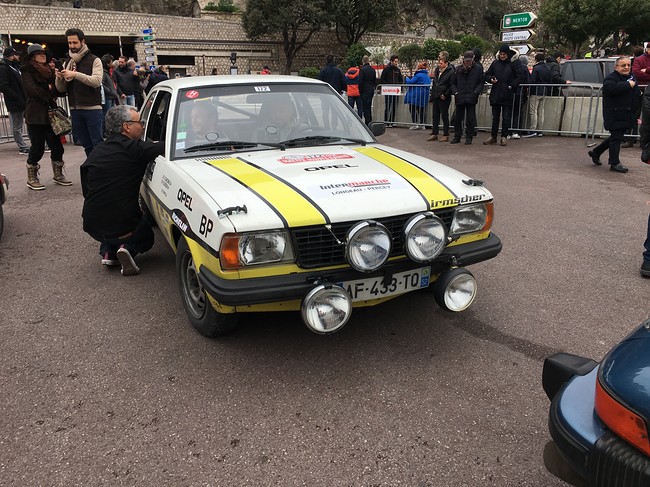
{"points": [[521, 19], [147, 38]]}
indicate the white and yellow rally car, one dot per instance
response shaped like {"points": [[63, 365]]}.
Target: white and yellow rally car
{"points": [[275, 196]]}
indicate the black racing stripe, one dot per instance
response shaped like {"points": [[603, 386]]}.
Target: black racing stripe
{"points": [[280, 216], [287, 183], [421, 169], [194, 237]]}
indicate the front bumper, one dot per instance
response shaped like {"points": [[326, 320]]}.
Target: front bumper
{"points": [[242, 292], [586, 445]]}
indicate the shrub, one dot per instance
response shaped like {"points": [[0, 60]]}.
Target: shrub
{"points": [[409, 54], [309, 72], [222, 6], [354, 54], [469, 42]]}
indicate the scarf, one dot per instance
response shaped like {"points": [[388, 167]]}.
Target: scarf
{"points": [[78, 56], [43, 69]]}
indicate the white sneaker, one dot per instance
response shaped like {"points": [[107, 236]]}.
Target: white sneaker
{"points": [[129, 267], [414, 127], [514, 136], [539, 134]]}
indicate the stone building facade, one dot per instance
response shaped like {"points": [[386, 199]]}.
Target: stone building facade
{"points": [[192, 46]]}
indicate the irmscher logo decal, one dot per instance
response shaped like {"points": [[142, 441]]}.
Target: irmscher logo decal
{"points": [[357, 186], [333, 166], [457, 201], [313, 158]]}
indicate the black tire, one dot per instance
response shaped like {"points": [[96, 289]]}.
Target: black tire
{"points": [[146, 212], [207, 321]]}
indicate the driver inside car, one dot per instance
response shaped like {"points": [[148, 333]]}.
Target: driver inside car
{"points": [[203, 124], [278, 119]]}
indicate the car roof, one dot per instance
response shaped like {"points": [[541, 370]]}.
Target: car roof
{"points": [[592, 60], [229, 80]]}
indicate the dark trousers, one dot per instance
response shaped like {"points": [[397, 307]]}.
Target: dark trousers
{"points": [[136, 242], [366, 103], [467, 112], [613, 144], [417, 114], [519, 102], [389, 109], [87, 128], [38, 135], [441, 109], [499, 111], [352, 100], [646, 254]]}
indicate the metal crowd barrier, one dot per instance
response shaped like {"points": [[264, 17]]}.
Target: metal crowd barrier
{"points": [[6, 134], [390, 100], [569, 110]]}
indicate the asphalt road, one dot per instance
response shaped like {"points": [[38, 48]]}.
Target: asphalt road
{"points": [[104, 382]]}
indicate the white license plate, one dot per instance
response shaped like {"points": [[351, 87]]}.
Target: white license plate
{"points": [[375, 287]]}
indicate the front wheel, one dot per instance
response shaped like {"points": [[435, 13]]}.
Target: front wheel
{"points": [[200, 312]]}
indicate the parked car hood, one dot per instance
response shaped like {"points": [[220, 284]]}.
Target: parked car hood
{"points": [[626, 370], [343, 183]]}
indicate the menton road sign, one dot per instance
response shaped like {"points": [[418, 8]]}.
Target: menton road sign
{"points": [[521, 19]]}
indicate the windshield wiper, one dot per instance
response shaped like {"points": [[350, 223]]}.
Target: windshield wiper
{"points": [[233, 145], [322, 139]]}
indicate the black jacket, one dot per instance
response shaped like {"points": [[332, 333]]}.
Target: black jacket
{"points": [[367, 80], [442, 83], [110, 182], [333, 75], [11, 86], [154, 79], [391, 75], [541, 76], [126, 83], [620, 101], [110, 93], [504, 89], [39, 94], [644, 129], [467, 85], [556, 75]]}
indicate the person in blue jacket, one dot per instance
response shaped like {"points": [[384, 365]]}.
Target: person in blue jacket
{"points": [[417, 95]]}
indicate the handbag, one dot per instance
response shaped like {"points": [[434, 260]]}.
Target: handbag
{"points": [[59, 120]]}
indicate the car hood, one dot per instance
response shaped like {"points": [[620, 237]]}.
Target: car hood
{"points": [[626, 370], [329, 184]]}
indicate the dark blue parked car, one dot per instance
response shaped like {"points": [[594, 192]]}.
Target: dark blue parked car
{"points": [[600, 415]]}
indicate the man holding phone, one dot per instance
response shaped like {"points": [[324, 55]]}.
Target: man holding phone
{"points": [[620, 97], [81, 78]]}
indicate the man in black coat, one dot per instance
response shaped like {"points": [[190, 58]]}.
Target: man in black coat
{"points": [[334, 76], [367, 84], [11, 86], [391, 75], [110, 182], [644, 131], [505, 80], [466, 86], [620, 96]]}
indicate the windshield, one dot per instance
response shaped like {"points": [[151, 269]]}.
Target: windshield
{"points": [[260, 117]]}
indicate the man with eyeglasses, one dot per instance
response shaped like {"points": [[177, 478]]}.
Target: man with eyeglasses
{"points": [[110, 181], [620, 97]]}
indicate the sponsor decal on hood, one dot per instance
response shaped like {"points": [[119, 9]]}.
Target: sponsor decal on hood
{"points": [[293, 159]]}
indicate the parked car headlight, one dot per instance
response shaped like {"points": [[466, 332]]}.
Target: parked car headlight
{"points": [[255, 249], [472, 218], [368, 246], [425, 236]]}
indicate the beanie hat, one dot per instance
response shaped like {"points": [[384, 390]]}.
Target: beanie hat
{"points": [[34, 48], [505, 48], [10, 51]]}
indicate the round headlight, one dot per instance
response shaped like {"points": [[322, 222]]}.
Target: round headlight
{"points": [[425, 236], [455, 289], [368, 246], [326, 308]]}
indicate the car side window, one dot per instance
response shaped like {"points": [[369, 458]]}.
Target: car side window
{"points": [[586, 73], [157, 116]]}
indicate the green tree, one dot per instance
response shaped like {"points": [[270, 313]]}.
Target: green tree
{"points": [[295, 22], [353, 18], [454, 48], [409, 54], [354, 54], [569, 20], [469, 42], [432, 47], [615, 17]]}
